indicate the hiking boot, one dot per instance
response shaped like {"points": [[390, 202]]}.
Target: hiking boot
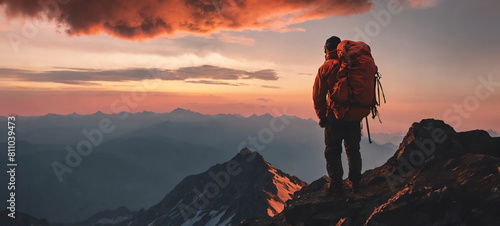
{"points": [[354, 186], [336, 192]]}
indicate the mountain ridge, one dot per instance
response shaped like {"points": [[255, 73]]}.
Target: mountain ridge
{"points": [[436, 177]]}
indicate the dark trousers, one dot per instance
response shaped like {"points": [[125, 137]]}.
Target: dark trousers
{"points": [[337, 131]]}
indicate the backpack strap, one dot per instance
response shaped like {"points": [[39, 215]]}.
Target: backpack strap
{"points": [[378, 76], [368, 130], [378, 89]]}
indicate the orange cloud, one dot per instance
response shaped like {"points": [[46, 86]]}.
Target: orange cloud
{"points": [[423, 3], [151, 18]]}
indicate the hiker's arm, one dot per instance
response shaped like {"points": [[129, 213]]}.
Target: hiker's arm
{"points": [[320, 90]]}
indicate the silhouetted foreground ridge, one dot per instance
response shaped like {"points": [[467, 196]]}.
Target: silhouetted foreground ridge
{"points": [[436, 177]]}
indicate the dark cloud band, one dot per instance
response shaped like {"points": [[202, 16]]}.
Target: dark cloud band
{"points": [[198, 74]]}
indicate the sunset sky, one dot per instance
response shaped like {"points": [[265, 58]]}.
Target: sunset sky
{"points": [[438, 58]]}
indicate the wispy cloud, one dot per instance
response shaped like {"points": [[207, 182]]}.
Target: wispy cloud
{"points": [[87, 76], [212, 82], [301, 73], [263, 99], [270, 87], [423, 3]]}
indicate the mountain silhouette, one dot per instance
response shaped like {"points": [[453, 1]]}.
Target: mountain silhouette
{"points": [[436, 177], [245, 187]]}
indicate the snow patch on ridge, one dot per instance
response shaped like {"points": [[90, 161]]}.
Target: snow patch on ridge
{"points": [[285, 188]]}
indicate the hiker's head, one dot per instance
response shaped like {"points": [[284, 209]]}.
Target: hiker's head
{"points": [[332, 43]]}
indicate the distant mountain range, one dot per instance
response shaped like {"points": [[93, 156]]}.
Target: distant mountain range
{"points": [[147, 154], [387, 138]]}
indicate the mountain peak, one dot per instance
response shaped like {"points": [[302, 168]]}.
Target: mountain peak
{"points": [[247, 155], [245, 151], [265, 116], [52, 115], [98, 113], [181, 111], [146, 113], [436, 177], [432, 138], [244, 187]]}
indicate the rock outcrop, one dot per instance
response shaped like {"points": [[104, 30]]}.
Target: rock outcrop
{"points": [[436, 177]]}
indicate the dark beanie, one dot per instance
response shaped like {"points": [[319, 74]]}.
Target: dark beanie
{"points": [[332, 43]]}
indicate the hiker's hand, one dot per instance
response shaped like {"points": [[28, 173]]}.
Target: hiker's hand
{"points": [[323, 122]]}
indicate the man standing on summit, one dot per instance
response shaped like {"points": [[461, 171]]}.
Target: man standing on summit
{"points": [[336, 130]]}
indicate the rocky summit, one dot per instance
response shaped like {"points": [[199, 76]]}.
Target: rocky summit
{"points": [[436, 177]]}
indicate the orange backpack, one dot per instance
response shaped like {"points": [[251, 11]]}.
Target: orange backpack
{"points": [[353, 96]]}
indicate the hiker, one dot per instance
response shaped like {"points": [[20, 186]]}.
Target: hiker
{"points": [[336, 130]]}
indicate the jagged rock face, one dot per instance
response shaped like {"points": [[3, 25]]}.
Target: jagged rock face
{"points": [[436, 177], [243, 188]]}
